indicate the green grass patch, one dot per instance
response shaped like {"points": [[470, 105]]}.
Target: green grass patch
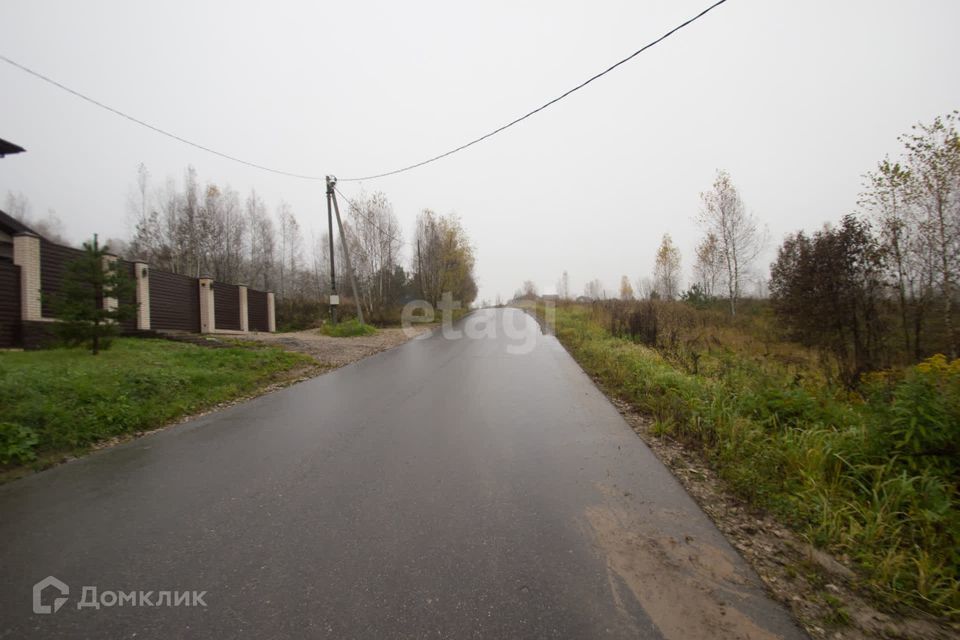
{"points": [[347, 329], [872, 475], [64, 400]]}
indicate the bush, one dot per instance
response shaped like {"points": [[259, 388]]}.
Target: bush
{"points": [[17, 443], [347, 329], [915, 416], [297, 314]]}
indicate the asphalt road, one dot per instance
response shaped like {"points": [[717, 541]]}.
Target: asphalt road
{"points": [[449, 488]]}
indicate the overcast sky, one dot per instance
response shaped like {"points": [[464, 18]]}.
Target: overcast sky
{"points": [[795, 99]]}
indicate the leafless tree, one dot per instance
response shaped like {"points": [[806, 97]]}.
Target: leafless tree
{"points": [[50, 226], [933, 159], [18, 206], [594, 290], [738, 236], [709, 266], [291, 247], [262, 243], [563, 286], [375, 237], [644, 288]]}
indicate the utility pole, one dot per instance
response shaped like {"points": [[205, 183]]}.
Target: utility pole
{"points": [[332, 197], [334, 298]]}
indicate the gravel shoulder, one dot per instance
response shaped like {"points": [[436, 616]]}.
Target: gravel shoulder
{"points": [[337, 352], [820, 591]]}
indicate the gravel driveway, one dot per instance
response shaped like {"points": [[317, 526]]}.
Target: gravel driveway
{"points": [[336, 352]]}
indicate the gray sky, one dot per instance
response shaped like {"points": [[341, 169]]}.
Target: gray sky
{"points": [[795, 99]]}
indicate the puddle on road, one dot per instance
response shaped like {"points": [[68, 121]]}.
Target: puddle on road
{"points": [[688, 588]]}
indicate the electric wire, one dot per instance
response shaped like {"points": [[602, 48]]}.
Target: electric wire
{"points": [[545, 105], [155, 128], [291, 174]]}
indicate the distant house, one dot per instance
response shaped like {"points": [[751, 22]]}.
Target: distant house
{"points": [[8, 148], [584, 299], [9, 226], [550, 297]]}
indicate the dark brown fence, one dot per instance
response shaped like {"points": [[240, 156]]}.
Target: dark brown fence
{"points": [[174, 302], [54, 259], [9, 304], [174, 299], [130, 269], [226, 306], [257, 310]]}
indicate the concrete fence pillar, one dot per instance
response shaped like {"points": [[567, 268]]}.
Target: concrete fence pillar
{"points": [[244, 316], [141, 274], [271, 313], [207, 321], [26, 254], [109, 304]]}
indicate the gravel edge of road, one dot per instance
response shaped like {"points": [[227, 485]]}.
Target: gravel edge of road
{"points": [[819, 591]]}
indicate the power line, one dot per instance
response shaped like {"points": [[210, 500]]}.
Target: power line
{"points": [[544, 106], [153, 127], [379, 175]]}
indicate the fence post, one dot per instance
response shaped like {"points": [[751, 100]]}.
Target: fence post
{"points": [[271, 313], [207, 321], [26, 254], [109, 304], [141, 272], [244, 317]]}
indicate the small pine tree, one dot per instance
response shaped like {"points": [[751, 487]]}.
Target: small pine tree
{"points": [[88, 281]]}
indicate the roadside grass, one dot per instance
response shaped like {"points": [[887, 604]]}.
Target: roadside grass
{"points": [[871, 476], [60, 402], [347, 329]]}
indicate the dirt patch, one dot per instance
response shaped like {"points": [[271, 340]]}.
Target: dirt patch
{"points": [[820, 591], [686, 587], [336, 352]]}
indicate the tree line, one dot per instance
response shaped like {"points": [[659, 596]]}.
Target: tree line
{"points": [[877, 289], [210, 230], [731, 242], [880, 288], [197, 228]]}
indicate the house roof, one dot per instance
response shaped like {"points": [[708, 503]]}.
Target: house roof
{"points": [[8, 148], [11, 225]]}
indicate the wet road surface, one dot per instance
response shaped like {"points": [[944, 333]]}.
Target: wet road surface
{"points": [[450, 488]]}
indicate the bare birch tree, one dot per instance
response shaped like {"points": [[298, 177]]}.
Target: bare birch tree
{"points": [[933, 158], [738, 236], [375, 247], [709, 266]]}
